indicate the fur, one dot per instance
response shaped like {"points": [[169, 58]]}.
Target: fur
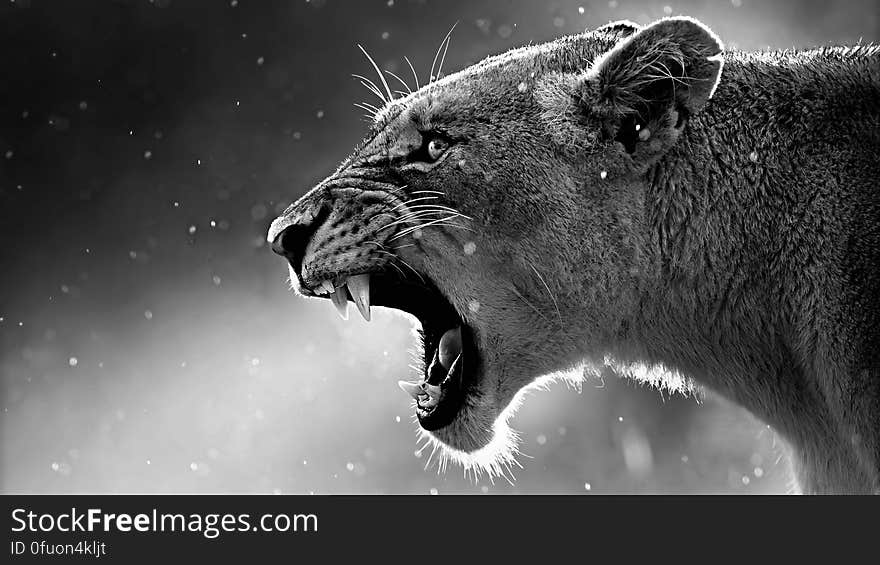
{"points": [[631, 194]]}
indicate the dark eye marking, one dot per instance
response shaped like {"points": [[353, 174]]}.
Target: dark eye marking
{"points": [[434, 144]]}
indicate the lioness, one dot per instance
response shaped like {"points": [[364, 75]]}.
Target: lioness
{"points": [[631, 194]]}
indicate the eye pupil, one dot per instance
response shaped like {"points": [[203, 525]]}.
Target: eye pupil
{"points": [[436, 147]]}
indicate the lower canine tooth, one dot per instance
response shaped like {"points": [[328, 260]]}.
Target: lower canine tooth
{"points": [[359, 287], [433, 395], [412, 389], [340, 301]]}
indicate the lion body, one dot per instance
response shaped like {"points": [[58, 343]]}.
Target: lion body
{"points": [[621, 201], [764, 221]]}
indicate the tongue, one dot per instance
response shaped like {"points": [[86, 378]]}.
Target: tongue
{"points": [[450, 347]]}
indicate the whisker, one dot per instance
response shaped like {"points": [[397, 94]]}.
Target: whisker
{"points": [[414, 200], [413, 69], [433, 77], [369, 112], [401, 81], [381, 76], [371, 86], [442, 59], [530, 305], [428, 192], [421, 226], [553, 298]]}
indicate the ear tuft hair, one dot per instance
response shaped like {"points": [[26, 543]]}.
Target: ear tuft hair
{"points": [[620, 29], [674, 60]]}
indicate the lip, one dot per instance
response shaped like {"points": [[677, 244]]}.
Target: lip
{"points": [[445, 380]]}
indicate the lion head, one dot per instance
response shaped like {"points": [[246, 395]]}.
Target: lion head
{"points": [[502, 207]]}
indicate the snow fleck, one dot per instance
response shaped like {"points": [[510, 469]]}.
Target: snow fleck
{"points": [[73, 361], [191, 230], [9, 154], [148, 314], [198, 162], [133, 254], [684, 459], [417, 454], [176, 204], [349, 466], [385, 35], [588, 486], [522, 87], [319, 114], [433, 491], [397, 419], [736, 3], [746, 480], [258, 212], [753, 156], [55, 466], [216, 280], [233, 3], [149, 462], [83, 105], [759, 472], [213, 223], [504, 31], [603, 175], [667, 10], [193, 466], [541, 439], [620, 418], [25, 114], [260, 60], [581, 10], [558, 21], [484, 489], [469, 248], [148, 154], [612, 4], [65, 289], [474, 306]]}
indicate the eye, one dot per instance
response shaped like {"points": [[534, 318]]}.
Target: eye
{"points": [[436, 147]]}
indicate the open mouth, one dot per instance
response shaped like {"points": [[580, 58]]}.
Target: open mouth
{"points": [[450, 354]]}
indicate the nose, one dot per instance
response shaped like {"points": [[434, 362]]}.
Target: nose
{"points": [[290, 242], [290, 233]]}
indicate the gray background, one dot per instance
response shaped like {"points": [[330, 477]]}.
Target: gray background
{"points": [[147, 338]]}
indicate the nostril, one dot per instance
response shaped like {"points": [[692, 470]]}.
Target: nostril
{"points": [[290, 234], [291, 244]]}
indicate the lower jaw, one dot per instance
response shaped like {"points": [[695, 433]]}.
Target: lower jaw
{"points": [[450, 374]]}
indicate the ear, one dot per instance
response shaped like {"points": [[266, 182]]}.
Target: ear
{"points": [[619, 29], [647, 86], [640, 93]]}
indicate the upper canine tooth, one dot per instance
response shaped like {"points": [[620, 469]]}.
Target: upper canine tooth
{"points": [[340, 300], [328, 287], [359, 287]]}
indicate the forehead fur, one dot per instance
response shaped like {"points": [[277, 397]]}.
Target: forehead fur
{"points": [[521, 66]]}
